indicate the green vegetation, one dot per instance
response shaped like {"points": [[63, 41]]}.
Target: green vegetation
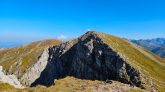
{"points": [[4, 87], [70, 84], [18, 60], [152, 67]]}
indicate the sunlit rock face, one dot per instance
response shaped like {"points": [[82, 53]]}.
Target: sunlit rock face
{"points": [[10, 79], [34, 72], [87, 57]]}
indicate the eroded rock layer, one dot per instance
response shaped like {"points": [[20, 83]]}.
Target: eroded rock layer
{"points": [[87, 57]]}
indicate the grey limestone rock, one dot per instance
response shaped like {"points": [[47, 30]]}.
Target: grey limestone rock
{"points": [[87, 57], [34, 72], [10, 79]]}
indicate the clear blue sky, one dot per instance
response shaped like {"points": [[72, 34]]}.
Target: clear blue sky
{"points": [[42, 19]]}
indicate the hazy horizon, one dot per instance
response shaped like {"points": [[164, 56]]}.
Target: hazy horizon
{"points": [[27, 21], [12, 43]]}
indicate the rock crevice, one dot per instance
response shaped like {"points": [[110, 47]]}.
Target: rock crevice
{"points": [[88, 58], [10, 79], [35, 71]]}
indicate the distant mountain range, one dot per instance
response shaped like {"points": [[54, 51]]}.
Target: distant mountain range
{"points": [[156, 45], [114, 63]]}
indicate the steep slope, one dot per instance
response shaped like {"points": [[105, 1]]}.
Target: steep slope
{"points": [[98, 56], [151, 66], [93, 56], [10, 79], [18, 60], [154, 45]]}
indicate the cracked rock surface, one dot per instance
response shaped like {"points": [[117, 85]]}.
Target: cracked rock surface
{"points": [[87, 57], [10, 79]]}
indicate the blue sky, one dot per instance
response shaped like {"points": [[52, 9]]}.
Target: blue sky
{"points": [[29, 20]]}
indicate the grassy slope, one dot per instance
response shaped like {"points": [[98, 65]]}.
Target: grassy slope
{"points": [[70, 84], [21, 58], [138, 57], [6, 87], [148, 63]]}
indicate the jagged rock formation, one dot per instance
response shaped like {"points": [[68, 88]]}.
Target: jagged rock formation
{"points": [[93, 56], [87, 57], [71, 84], [35, 71], [27, 61], [11, 79]]}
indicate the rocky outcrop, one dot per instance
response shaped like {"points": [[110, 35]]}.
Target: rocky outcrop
{"points": [[10, 79], [34, 72], [87, 57]]}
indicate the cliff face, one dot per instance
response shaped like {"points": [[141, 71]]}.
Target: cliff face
{"points": [[93, 56], [18, 60], [87, 57], [34, 72], [26, 62], [10, 79]]}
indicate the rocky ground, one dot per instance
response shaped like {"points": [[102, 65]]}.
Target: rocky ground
{"points": [[10, 79], [71, 84], [92, 56], [87, 58]]}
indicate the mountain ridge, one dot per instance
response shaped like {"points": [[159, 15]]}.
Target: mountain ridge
{"points": [[155, 45], [98, 56], [88, 38], [115, 42], [18, 60]]}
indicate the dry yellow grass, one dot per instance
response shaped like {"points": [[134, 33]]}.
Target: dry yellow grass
{"points": [[21, 58], [6, 87], [71, 84], [150, 65]]}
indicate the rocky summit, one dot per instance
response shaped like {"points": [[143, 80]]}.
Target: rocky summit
{"points": [[92, 56], [87, 57]]}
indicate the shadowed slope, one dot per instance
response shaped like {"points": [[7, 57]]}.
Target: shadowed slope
{"points": [[93, 56], [89, 58], [102, 56], [18, 60]]}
